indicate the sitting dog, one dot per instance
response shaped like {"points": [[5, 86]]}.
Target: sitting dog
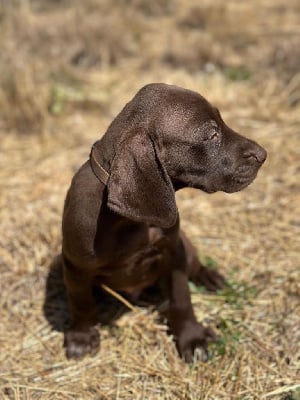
{"points": [[121, 223]]}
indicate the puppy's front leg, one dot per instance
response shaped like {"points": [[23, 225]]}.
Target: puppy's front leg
{"points": [[82, 337], [191, 336]]}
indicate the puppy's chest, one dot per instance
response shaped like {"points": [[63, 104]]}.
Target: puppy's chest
{"points": [[133, 258], [116, 241]]}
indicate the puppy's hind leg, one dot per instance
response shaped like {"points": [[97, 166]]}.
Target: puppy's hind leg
{"points": [[211, 279]]}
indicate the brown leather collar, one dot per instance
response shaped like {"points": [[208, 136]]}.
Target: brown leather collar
{"points": [[97, 168]]}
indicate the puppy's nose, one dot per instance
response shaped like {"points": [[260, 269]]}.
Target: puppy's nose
{"points": [[257, 152]]}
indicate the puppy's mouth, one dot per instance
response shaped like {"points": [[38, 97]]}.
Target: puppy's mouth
{"points": [[241, 181], [238, 180]]}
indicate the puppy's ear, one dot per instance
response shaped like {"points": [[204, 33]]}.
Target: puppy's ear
{"points": [[139, 187]]}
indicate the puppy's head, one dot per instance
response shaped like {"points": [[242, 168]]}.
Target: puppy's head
{"points": [[200, 150], [173, 138]]}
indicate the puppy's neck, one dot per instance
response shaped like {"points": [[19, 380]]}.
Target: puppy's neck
{"points": [[96, 164]]}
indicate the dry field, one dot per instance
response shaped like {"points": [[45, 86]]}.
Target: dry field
{"points": [[66, 69]]}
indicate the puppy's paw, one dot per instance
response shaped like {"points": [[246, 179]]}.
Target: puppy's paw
{"points": [[79, 343], [193, 342], [211, 279]]}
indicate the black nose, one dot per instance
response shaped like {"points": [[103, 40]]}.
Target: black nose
{"points": [[257, 152]]}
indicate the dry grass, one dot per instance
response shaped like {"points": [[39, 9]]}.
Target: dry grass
{"points": [[66, 68]]}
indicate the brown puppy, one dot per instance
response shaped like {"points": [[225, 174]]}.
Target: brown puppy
{"points": [[120, 222]]}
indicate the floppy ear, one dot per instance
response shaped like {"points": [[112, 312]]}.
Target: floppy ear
{"points": [[139, 187]]}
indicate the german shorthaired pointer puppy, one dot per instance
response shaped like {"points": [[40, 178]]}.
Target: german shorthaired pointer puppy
{"points": [[121, 223]]}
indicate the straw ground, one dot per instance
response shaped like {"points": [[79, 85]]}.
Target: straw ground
{"points": [[66, 69]]}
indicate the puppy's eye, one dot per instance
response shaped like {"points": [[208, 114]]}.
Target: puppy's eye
{"points": [[214, 136], [209, 131]]}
